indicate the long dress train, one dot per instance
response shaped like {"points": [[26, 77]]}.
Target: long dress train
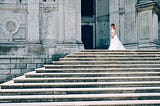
{"points": [[115, 43]]}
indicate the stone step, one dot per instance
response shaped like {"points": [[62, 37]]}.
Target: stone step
{"points": [[102, 62], [90, 74], [112, 55], [112, 59], [79, 97], [104, 50], [71, 70], [12, 85], [22, 79], [102, 66], [90, 103], [119, 53], [61, 91]]}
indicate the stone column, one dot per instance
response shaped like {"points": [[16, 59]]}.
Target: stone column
{"points": [[61, 20], [69, 27], [72, 21], [147, 24], [69, 13], [114, 12], [78, 21], [33, 21]]}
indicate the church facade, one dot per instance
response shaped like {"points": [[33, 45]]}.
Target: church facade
{"points": [[33, 32]]}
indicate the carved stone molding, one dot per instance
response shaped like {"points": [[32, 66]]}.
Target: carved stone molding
{"points": [[11, 25], [12, 7], [121, 11]]}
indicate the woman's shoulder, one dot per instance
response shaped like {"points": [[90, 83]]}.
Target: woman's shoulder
{"points": [[113, 30]]}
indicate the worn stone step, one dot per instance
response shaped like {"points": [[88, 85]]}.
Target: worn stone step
{"points": [[22, 79], [12, 85], [79, 97], [71, 70], [111, 55], [103, 66], [112, 59], [105, 50], [90, 74], [90, 103], [102, 62], [119, 53], [60, 91]]}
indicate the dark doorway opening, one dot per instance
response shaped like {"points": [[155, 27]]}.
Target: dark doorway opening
{"points": [[87, 7], [87, 36]]}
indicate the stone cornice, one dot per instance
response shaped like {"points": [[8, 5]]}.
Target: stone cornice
{"points": [[13, 7], [150, 5], [48, 5]]}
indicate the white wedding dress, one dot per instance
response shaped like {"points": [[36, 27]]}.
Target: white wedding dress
{"points": [[115, 43]]}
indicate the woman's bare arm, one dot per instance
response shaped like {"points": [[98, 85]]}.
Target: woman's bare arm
{"points": [[113, 34]]}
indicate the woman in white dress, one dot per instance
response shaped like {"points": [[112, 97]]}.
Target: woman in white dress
{"points": [[115, 43]]}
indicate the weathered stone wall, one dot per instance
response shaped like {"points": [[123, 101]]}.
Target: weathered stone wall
{"points": [[34, 32], [13, 21], [102, 24], [137, 22], [123, 14], [13, 66]]}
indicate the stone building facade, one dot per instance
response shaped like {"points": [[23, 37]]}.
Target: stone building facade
{"points": [[34, 32]]}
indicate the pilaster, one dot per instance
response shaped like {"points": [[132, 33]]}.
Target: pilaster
{"points": [[33, 21]]}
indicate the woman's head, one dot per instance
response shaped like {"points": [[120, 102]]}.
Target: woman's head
{"points": [[113, 26]]}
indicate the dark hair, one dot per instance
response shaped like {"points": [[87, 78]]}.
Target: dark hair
{"points": [[112, 24]]}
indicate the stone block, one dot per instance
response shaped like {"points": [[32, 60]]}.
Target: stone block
{"points": [[31, 66], [39, 65], [16, 71], [48, 61], [24, 70], [4, 60], [37, 61], [16, 60], [5, 66], [19, 66], [12, 66], [4, 78], [5, 71], [27, 60]]}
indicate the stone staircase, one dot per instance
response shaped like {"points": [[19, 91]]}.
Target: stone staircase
{"points": [[89, 78]]}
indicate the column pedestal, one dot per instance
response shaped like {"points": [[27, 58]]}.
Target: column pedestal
{"points": [[147, 26]]}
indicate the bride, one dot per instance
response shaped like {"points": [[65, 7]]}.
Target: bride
{"points": [[115, 43]]}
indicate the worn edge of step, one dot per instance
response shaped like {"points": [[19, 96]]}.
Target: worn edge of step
{"points": [[77, 89], [80, 96], [85, 65], [103, 69], [11, 83], [92, 73], [111, 55], [105, 62], [86, 103], [23, 78], [111, 59]]}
